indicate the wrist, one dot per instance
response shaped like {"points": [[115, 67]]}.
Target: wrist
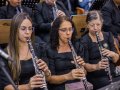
{"points": [[113, 54], [97, 67], [67, 77], [48, 73], [28, 87]]}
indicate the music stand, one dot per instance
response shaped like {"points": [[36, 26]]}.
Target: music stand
{"points": [[97, 4], [30, 3], [4, 30]]}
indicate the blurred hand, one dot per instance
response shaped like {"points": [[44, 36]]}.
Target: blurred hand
{"points": [[60, 13], [108, 53], [43, 66], [80, 61], [76, 74], [103, 64], [36, 82]]}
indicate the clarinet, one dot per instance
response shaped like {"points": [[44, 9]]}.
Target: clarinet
{"points": [[55, 6], [102, 56], [84, 80], [37, 70], [55, 10]]}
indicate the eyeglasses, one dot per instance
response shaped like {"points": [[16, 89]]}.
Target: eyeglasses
{"points": [[66, 29], [24, 28]]}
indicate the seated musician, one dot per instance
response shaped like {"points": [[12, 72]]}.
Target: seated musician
{"points": [[61, 62], [45, 13], [101, 53], [22, 70], [13, 7]]}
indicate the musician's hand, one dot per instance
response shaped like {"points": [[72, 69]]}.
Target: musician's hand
{"points": [[35, 82], [103, 64], [80, 60], [43, 66], [108, 53], [76, 74], [60, 13]]}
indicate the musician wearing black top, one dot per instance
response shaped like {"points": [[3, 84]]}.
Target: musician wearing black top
{"points": [[61, 62], [13, 7], [23, 70], [96, 63]]}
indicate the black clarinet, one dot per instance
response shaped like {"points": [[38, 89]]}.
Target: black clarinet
{"points": [[37, 70], [102, 56], [84, 80]]}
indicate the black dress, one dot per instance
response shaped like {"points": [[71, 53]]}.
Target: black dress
{"points": [[99, 78], [27, 68], [60, 63]]}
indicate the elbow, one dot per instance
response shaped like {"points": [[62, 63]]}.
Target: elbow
{"points": [[8, 87]]}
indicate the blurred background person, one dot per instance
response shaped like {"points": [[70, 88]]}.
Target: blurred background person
{"points": [[111, 16], [13, 7], [45, 13], [23, 71], [96, 65]]}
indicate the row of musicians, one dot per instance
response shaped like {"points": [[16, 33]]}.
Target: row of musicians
{"points": [[55, 58]]}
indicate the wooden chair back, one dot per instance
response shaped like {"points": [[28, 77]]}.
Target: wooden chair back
{"points": [[4, 30], [80, 24]]}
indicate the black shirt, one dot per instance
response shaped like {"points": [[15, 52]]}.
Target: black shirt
{"points": [[27, 68], [60, 63], [98, 78]]}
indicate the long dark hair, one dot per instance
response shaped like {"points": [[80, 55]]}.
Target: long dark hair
{"points": [[13, 44], [54, 36]]}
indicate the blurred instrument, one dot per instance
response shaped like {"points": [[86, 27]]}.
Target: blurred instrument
{"points": [[84, 80], [55, 10], [102, 56], [34, 59]]}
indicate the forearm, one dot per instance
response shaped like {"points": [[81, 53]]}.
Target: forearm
{"points": [[91, 67], [20, 87], [24, 87], [58, 79]]}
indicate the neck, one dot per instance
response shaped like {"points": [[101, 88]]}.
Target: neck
{"points": [[93, 36], [62, 44], [23, 44]]}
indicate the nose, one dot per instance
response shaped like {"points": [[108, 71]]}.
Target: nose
{"points": [[95, 27], [27, 31], [68, 32]]}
